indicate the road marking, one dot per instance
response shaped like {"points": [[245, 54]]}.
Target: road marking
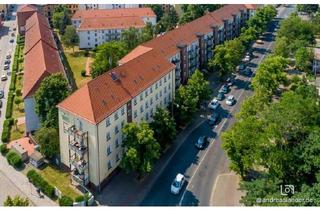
{"points": [[219, 130]]}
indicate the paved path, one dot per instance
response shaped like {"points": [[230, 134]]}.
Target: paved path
{"points": [[88, 63]]}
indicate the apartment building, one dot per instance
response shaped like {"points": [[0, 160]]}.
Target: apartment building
{"points": [[316, 61], [90, 120], [96, 27], [23, 13], [41, 58], [107, 6]]}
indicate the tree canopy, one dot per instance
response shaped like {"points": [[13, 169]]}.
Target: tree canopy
{"points": [[48, 139], [70, 38], [60, 18], [16, 201]]}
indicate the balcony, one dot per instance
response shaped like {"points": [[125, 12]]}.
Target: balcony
{"points": [[81, 179], [80, 165], [79, 148]]}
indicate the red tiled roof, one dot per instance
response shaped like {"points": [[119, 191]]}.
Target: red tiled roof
{"points": [[38, 29], [39, 63], [27, 8], [102, 96], [111, 23], [140, 68], [139, 12]]}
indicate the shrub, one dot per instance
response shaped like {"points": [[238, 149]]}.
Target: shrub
{"points": [[13, 82], [14, 159], [80, 198], [86, 53], [38, 181], [83, 73], [3, 149], [6, 130], [9, 105], [65, 201]]}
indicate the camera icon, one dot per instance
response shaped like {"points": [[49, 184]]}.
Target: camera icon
{"points": [[287, 189]]}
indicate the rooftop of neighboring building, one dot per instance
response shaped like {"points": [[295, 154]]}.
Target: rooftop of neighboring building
{"points": [[27, 8], [139, 12]]}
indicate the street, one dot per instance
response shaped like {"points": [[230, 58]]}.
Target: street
{"points": [[201, 168], [6, 48]]}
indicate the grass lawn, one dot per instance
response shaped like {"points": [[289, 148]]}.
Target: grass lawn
{"points": [[59, 179], [17, 133], [77, 62]]}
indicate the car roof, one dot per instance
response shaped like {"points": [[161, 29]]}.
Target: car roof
{"points": [[179, 177], [230, 97]]}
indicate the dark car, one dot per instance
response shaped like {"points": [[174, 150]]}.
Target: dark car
{"points": [[0, 104], [247, 72], [1, 94], [201, 142], [11, 40], [213, 119], [230, 81], [225, 89], [242, 66], [7, 62], [220, 96]]}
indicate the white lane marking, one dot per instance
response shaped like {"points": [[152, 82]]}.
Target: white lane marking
{"points": [[206, 152]]}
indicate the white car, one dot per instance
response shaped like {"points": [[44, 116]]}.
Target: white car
{"points": [[4, 77], [230, 100], [8, 56], [214, 104], [177, 184], [247, 58]]}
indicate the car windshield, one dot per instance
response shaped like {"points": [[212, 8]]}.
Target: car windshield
{"points": [[176, 183], [200, 140]]}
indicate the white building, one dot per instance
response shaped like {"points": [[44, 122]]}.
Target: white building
{"points": [[95, 27], [107, 6], [90, 120]]}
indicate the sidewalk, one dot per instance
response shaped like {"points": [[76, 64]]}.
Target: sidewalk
{"points": [[124, 190], [21, 182]]}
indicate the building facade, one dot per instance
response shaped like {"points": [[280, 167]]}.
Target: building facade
{"points": [[107, 6], [96, 27], [90, 120]]}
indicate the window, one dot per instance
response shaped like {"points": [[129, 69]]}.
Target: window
{"points": [[108, 136], [117, 143], [95, 34], [108, 150], [160, 93], [169, 76], [165, 89], [88, 44], [160, 82], [122, 123], [116, 116], [116, 129], [165, 78], [151, 101], [141, 97], [122, 111], [146, 93], [169, 96], [88, 32], [117, 157], [157, 96], [151, 89], [96, 40], [169, 86], [141, 109], [109, 165], [135, 114], [108, 122], [157, 85], [135, 101], [147, 116], [147, 105], [88, 37], [151, 113], [165, 100]]}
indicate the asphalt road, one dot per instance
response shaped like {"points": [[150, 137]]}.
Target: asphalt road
{"points": [[202, 167], [6, 48]]}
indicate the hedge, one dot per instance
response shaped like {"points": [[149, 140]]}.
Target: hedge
{"points": [[80, 198], [65, 201], [6, 130], [14, 159], [3, 149], [9, 105], [38, 181]]}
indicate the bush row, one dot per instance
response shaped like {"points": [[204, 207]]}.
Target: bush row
{"points": [[6, 130], [3, 149], [14, 159], [9, 105], [39, 182], [65, 201]]}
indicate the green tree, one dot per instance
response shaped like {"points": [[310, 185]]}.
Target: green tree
{"points": [[168, 22], [185, 104], [70, 38], [131, 38], [308, 8], [147, 33], [52, 90], [282, 47], [157, 9], [48, 139], [17, 102], [16, 201], [140, 148], [304, 58], [107, 56], [164, 127], [60, 18], [199, 86]]}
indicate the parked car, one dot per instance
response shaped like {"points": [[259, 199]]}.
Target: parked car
{"points": [[220, 96], [259, 41], [247, 72], [214, 104], [4, 77], [201, 142], [6, 67], [8, 56], [242, 66], [0, 104], [11, 40], [213, 119], [177, 184], [225, 89], [230, 100], [7, 62], [1, 94], [230, 81], [246, 58]]}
